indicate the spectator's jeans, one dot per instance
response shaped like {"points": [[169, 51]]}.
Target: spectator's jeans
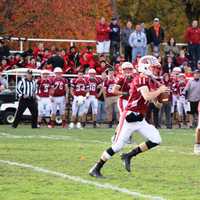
{"points": [[128, 53], [101, 113], [194, 51], [114, 49], [138, 51], [166, 108]]}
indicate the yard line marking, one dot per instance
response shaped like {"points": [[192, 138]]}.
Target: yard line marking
{"points": [[81, 180]]}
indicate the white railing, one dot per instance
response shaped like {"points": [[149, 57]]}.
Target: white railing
{"points": [[22, 40]]}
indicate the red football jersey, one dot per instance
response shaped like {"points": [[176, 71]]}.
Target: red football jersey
{"points": [[136, 102], [181, 87], [108, 85], [124, 83], [92, 85], [44, 86], [58, 86], [79, 86]]}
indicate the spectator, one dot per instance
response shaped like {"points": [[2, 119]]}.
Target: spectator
{"points": [[192, 37], [55, 61], [192, 92], [101, 67], [156, 35], [138, 42], [169, 65], [31, 64], [4, 65], [171, 48], [114, 38], [73, 56], [102, 37], [125, 34], [146, 32], [4, 50], [39, 50], [166, 107], [3, 83], [181, 58]]}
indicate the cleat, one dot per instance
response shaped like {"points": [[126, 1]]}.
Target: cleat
{"points": [[94, 172], [127, 162]]}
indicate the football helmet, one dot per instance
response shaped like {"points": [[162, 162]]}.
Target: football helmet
{"points": [[91, 71], [148, 64], [127, 65], [57, 70]]}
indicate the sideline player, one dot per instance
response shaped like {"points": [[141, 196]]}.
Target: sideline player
{"points": [[197, 138], [44, 103], [78, 91], [93, 84], [122, 87], [132, 118], [59, 96]]}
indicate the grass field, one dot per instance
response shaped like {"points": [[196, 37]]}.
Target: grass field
{"points": [[170, 171]]}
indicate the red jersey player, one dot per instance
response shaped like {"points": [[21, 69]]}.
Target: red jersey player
{"points": [[122, 86], [132, 118], [44, 103], [78, 91], [59, 96], [93, 84], [110, 97]]}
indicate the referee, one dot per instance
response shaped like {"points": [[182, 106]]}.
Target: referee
{"points": [[26, 90]]}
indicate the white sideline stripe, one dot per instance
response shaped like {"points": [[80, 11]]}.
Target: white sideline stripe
{"points": [[52, 137], [62, 137], [80, 180]]}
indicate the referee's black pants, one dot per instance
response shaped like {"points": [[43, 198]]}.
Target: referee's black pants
{"points": [[25, 103]]}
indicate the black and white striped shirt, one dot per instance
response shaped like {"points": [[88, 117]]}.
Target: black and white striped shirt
{"points": [[26, 87]]}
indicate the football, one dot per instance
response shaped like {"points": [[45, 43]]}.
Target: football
{"points": [[163, 97]]}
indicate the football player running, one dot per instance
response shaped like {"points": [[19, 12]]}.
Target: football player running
{"points": [[44, 103], [78, 91], [132, 118], [59, 95]]}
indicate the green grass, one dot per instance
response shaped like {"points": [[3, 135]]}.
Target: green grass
{"points": [[170, 171]]}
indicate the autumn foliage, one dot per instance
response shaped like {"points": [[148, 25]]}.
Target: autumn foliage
{"points": [[70, 19]]}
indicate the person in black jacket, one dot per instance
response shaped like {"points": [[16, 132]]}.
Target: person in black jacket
{"points": [[114, 38], [156, 35]]}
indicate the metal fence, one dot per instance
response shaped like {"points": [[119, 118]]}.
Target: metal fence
{"points": [[22, 40]]}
